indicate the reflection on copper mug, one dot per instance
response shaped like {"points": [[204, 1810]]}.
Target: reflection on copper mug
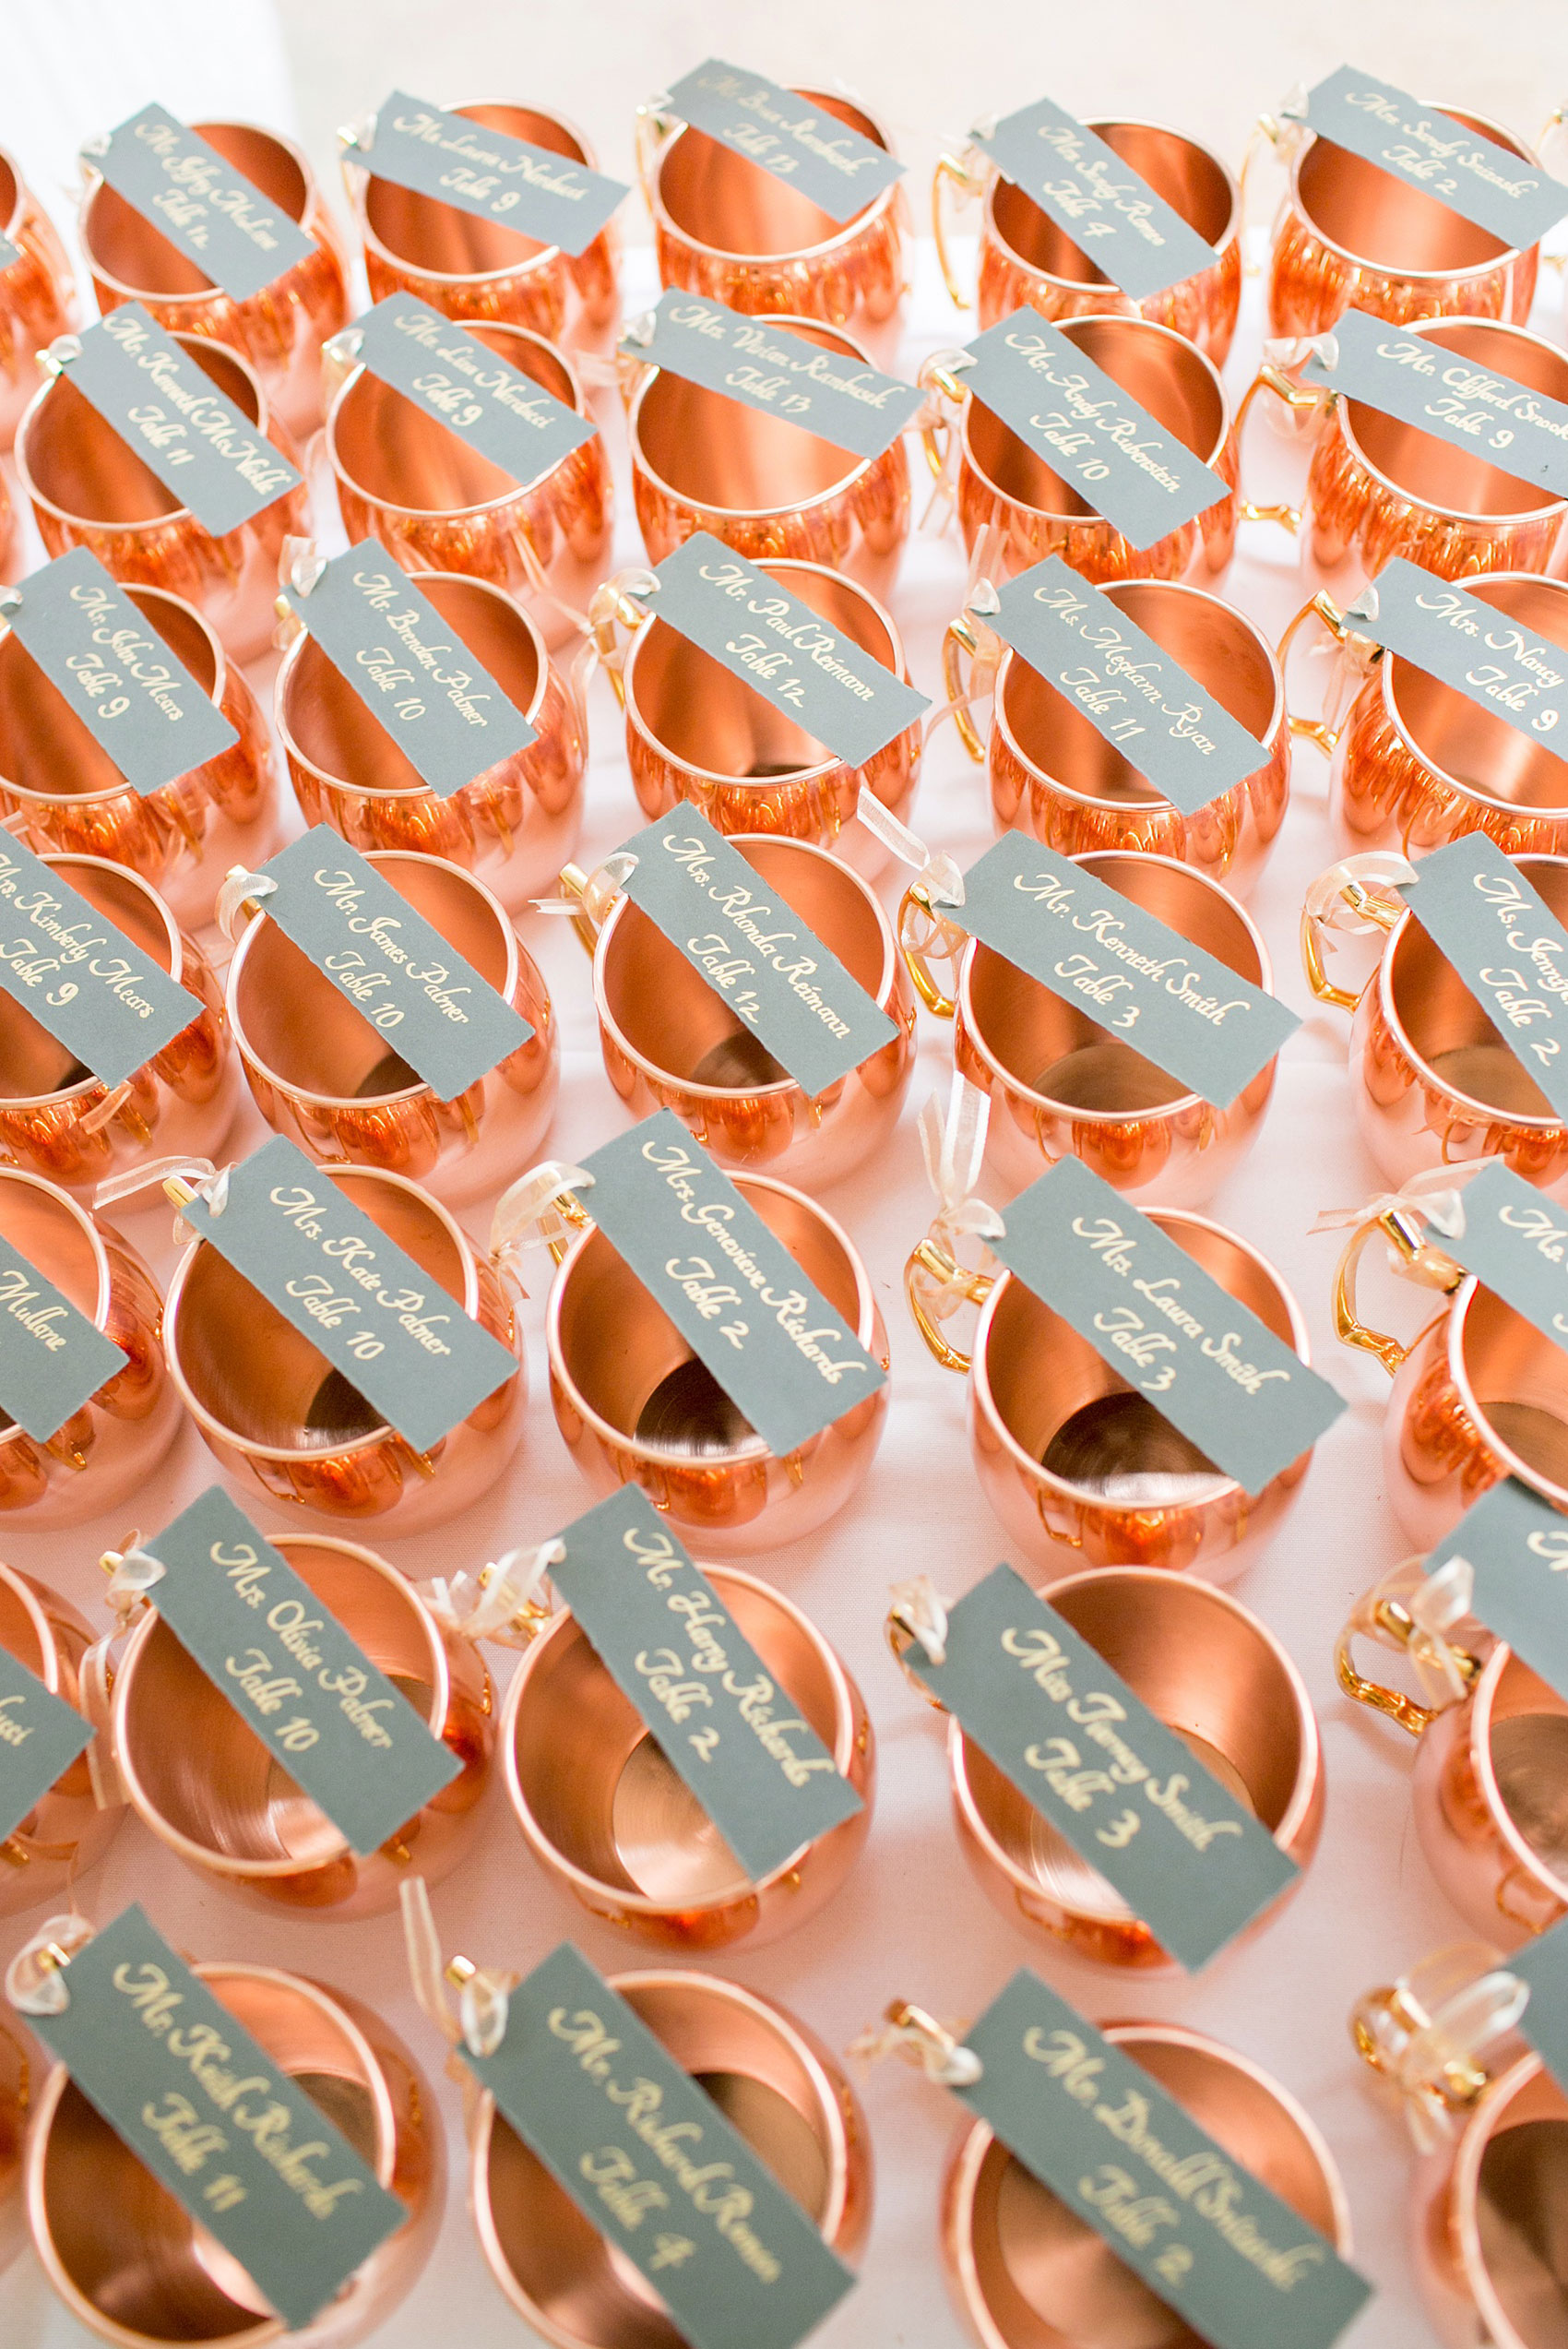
{"points": [[212, 1792], [670, 1040], [135, 2268], [38, 298], [66, 1832], [325, 1075], [1080, 1468], [724, 227], [1027, 261], [768, 487], [607, 1818], [636, 1405], [1433, 1080], [773, 2081], [515, 825], [1016, 510], [1061, 1085], [468, 267], [279, 331], [1053, 774], [106, 1450], [1027, 2272], [696, 731], [437, 504], [15, 2095], [59, 783], [90, 488], [286, 1425]]}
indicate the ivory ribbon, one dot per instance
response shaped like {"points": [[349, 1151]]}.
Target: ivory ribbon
{"points": [[907, 2033], [486, 1605], [919, 1608], [35, 1979], [1434, 1602], [1457, 2004], [528, 1215], [477, 2019]]}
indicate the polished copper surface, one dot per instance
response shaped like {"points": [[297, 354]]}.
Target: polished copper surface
{"points": [[38, 298], [16, 2095], [1487, 2229], [65, 1832], [1488, 1801]]}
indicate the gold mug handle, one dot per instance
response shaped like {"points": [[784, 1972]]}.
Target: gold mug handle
{"points": [[954, 171], [1421, 1262], [611, 611], [1264, 132], [1274, 381], [961, 639], [945, 942], [936, 432], [573, 882], [1387, 913], [1320, 607], [900, 1637], [931, 1260], [649, 129], [1386, 1620]]}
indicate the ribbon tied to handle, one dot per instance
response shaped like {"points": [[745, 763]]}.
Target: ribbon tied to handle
{"points": [[35, 1979], [476, 2018], [1432, 1605], [919, 1609], [599, 890], [1339, 896], [1433, 1195], [917, 2037], [953, 1142], [502, 1602], [1431, 2031], [532, 1213], [935, 870]]}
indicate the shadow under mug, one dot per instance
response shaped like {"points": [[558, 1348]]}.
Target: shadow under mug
{"points": [[37, 294], [66, 1832], [284, 1423], [670, 1040], [772, 2079], [515, 825], [88, 487], [132, 2266], [636, 1405], [322, 1074], [607, 1818], [279, 331], [1082, 1470]]}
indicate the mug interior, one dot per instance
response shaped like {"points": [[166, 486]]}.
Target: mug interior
{"points": [[1432, 472], [1191, 181], [1519, 1382], [1521, 2193], [439, 240], [1526, 1754], [124, 247], [1463, 743], [78, 464], [397, 455], [718, 200], [712, 451], [1382, 220], [1447, 1027]]}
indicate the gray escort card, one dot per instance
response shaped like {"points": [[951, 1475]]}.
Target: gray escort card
{"points": [[136, 697], [784, 134], [734, 1292], [1125, 1792], [436, 1011], [1093, 434], [712, 1706], [343, 1731], [783, 649], [765, 366], [1521, 677], [549, 197], [1243, 1397], [1210, 2239], [98, 994], [482, 400], [754, 952], [41, 1736], [51, 1357], [1507, 946], [9, 253], [180, 2080], [1096, 197], [1543, 1964], [201, 202], [382, 1322], [1399, 372], [169, 412], [390, 645], [1512, 200], [654, 2165], [1517, 1546], [1128, 971], [1515, 1242], [1180, 736]]}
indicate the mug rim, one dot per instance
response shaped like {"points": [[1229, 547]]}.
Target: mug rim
{"points": [[848, 231], [1099, 125], [1464, 2190], [1454, 1312], [546, 254], [213, 292]]}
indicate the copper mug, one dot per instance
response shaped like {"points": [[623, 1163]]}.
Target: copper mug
{"points": [[607, 1818], [1080, 1468], [68, 1831], [284, 1423], [1053, 774], [766, 487], [636, 1405], [437, 504], [279, 331], [725, 228], [37, 296], [1060, 1085], [670, 1040], [516, 824], [61, 790], [468, 267], [694, 732], [132, 2265], [16, 2095], [1434, 1081], [89, 488], [1027, 261], [1013, 510], [323, 1073], [772, 2079]]}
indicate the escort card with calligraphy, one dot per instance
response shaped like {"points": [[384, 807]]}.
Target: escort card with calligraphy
{"points": [[784, 134], [1425, 148], [1508, 947], [1128, 1794], [1519, 674], [1096, 197], [1237, 2263], [1149, 1310], [755, 952], [1515, 1242], [543, 195], [713, 1708], [654, 2165], [736, 1294], [482, 400], [1517, 1547], [168, 410], [257, 2162], [381, 1320], [1543, 1965], [51, 1357], [204, 204], [41, 1736], [1078, 419], [410, 667]]}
